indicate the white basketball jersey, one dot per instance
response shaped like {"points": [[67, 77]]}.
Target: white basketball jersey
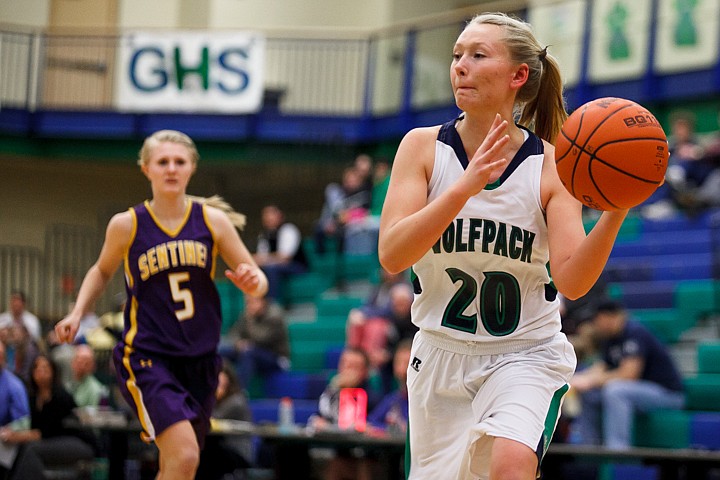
{"points": [[486, 278]]}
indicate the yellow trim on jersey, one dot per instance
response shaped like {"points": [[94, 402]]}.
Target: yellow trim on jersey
{"points": [[131, 384], [126, 256], [215, 243], [171, 233]]}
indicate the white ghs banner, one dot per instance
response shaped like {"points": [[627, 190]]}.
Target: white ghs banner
{"points": [[190, 71]]}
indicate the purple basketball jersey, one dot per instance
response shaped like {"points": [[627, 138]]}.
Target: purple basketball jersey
{"points": [[173, 306]]}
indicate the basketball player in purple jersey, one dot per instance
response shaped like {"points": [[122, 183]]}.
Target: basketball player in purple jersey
{"points": [[166, 363]]}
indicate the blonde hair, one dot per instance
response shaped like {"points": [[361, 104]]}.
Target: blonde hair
{"points": [[541, 98], [237, 219], [172, 136]]}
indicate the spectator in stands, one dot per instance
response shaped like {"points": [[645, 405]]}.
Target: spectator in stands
{"points": [[353, 372], [391, 414], [86, 389], [576, 316], [635, 374], [21, 349], [258, 343], [379, 334], [683, 169], [14, 405], [345, 203], [225, 455], [686, 152], [18, 314], [279, 250], [378, 301], [388, 417], [381, 181], [49, 440], [13, 396], [361, 235], [363, 164], [706, 194]]}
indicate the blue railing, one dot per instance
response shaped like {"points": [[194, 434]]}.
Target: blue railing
{"points": [[366, 86]]}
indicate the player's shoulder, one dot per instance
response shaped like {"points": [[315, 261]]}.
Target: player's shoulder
{"points": [[422, 134], [419, 142], [217, 219], [122, 221]]}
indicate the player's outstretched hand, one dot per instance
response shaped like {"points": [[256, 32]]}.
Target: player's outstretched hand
{"points": [[67, 328], [248, 278]]}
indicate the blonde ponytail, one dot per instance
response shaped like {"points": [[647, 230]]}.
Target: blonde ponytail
{"points": [[237, 219]]}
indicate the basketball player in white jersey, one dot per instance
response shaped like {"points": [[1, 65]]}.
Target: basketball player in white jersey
{"points": [[476, 208]]}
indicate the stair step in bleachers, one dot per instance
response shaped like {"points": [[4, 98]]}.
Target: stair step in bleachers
{"points": [[328, 331], [663, 322], [674, 267], [232, 303], [705, 431], [702, 392], [678, 223], [662, 429], [709, 357], [623, 471], [337, 305], [665, 243], [310, 356], [305, 287], [295, 385], [697, 298], [647, 294]]}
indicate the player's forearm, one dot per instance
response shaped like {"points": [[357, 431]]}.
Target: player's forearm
{"points": [[91, 288], [583, 268], [401, 245]]}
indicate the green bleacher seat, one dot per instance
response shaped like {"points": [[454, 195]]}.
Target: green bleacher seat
{"points": [[232, 303], [662, 429], [708, 354], [702, 392], [696, 298], [630, 229], [336, 305], [308, 355], [356, 267], [326, 331], [305, 287], [663, 322]]}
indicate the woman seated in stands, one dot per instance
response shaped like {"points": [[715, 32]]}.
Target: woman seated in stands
{"points": [[49, 441]]}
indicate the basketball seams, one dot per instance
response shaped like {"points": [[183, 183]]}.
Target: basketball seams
{"points": [[626, 156], [594, 156], [582, 147], [573, 144]]}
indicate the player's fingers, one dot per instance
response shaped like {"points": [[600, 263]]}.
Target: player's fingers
{"points": [[497, 129]]}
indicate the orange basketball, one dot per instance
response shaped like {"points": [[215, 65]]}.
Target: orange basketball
{"points": [[611, 154]]}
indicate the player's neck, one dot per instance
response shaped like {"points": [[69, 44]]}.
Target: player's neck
{"points": [[168, 208], [473, 129]]}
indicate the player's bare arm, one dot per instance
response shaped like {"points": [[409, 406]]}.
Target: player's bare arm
{"points": [[117, 238], [576, 260], [409, 226], [243, 271]]}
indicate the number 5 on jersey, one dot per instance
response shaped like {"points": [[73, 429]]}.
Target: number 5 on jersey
{"points": [[182, 295]]}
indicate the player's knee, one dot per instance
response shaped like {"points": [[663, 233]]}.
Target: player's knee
{"points": [[187, 460], [512, 461]]}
